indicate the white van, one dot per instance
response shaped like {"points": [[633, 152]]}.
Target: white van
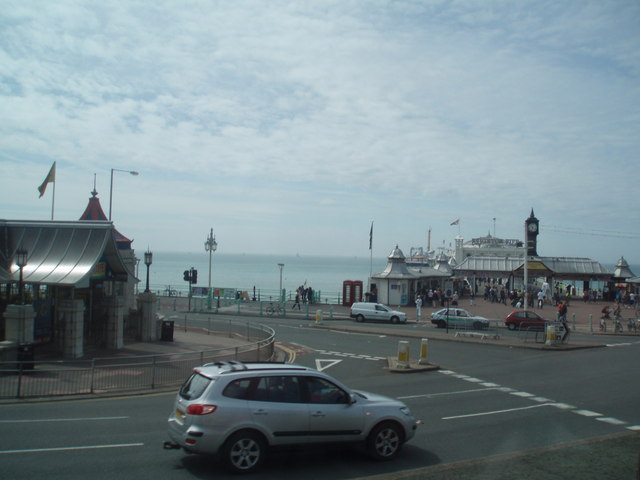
{"points": [[362, 311]]}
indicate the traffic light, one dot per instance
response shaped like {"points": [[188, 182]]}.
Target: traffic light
{"points": [[187, 277], [194, 276]]}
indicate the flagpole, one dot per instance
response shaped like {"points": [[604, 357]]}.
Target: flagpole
{"points": [[53, 199]]}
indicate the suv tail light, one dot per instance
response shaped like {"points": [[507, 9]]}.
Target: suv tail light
{"points": [[200, 409]]}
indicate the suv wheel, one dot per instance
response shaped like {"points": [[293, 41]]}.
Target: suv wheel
{"points": [[244, 452], [395, 319], [384, 441], [360, 318]]}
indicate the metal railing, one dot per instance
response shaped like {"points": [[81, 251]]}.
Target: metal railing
{"points": [[126, 374]]}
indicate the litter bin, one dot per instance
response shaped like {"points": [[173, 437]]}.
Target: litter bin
{"points": [[26, 356], [166, 334]]}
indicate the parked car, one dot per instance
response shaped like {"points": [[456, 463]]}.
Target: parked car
{"points": [[237, 411], [458, 318], [525, 319], [362, 311]]}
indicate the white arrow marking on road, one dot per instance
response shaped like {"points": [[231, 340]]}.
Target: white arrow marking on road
{"points": [[324, 364]]}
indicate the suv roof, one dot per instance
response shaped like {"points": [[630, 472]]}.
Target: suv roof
{"points": [[221, 368]]}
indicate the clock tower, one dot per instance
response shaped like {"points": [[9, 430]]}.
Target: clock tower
{"points": [[531, 234]]}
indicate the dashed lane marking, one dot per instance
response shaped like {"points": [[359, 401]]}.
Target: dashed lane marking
{"points": [[542, 402]]}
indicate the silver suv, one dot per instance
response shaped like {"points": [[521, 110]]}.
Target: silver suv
{"points": [[237, 411]]}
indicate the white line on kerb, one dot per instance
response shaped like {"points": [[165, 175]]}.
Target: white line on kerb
{"points": [[63, 449], [39, 420]]}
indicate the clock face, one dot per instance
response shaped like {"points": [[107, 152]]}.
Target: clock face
{"points": [[533, 227]]}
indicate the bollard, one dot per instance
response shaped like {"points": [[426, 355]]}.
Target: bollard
{"points": [[550, 334], [424, 348], [318, 317], [591, 323], [574, 322], [403, 354]]}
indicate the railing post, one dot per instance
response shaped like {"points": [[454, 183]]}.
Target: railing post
{"points": [[93, 375], [153, 373], [19, 380], [591, 322]]}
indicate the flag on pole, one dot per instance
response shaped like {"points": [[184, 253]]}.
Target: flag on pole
{"points": [[371, 237], [51, 177], [455, 222]]}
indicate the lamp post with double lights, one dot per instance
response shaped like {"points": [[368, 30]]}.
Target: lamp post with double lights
{"points": [[210, 246], [148, 260], [111, 187], [21, 261]]}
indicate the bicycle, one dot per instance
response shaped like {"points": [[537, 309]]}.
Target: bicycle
{"points": [[274, 309], [617, 324]]}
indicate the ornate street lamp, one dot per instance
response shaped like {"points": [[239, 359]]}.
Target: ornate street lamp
{"points": [[210, 246], [21, 261], [111, 187], [148, 260]]}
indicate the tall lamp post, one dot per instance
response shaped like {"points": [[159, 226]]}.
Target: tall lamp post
{"points": [[21, 261], [210, 246], [281, 265], [111, 187], [148, 260]]}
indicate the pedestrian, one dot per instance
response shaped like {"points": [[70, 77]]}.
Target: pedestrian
{"points": [[540, 299], [297, 302], [562, 317], [418, 308]]}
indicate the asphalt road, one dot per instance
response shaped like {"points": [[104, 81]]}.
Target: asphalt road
{"points": [[484, 401]]}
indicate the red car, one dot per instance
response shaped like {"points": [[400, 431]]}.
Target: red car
{"points": [[525, 319]]}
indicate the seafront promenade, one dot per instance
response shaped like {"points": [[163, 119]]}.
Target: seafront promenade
{"points": [[585, 317]]}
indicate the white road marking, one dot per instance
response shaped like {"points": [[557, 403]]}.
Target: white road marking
{"points": [[65, 449], [610, 420], [542, 402], [324, 364], [497, 412], [522, 394], [587, 413], [39, 420], [444, 394]]}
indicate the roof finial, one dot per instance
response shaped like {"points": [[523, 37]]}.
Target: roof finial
{"points": [[95, 192]]}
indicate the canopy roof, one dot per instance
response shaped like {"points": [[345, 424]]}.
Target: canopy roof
{"points": [[565, 267], [59, 253]]}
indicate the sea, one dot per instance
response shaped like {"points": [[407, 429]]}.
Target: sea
{"points": [[244, 272], [259, 275]]}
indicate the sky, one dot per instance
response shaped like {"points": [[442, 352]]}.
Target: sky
{"points": [[289, 127]]}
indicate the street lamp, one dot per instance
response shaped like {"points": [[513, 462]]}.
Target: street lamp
{"points": [[21, 261], [148, 260], [210, 246], [111, 187], [281, 265]]}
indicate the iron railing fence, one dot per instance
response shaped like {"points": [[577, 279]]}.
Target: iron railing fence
{"points": [[126, 374]]}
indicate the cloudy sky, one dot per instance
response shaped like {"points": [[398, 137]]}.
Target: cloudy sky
{"points": [[289, 127]]}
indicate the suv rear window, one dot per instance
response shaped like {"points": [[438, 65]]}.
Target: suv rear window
{"points": [[194, 387]]}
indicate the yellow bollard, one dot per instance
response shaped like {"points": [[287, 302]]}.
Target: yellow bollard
{"points": [[318, 316], [403, 354], [550, 334], [424, 348]]}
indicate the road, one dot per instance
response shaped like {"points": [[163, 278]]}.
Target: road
{"points": [[485, 400]]}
